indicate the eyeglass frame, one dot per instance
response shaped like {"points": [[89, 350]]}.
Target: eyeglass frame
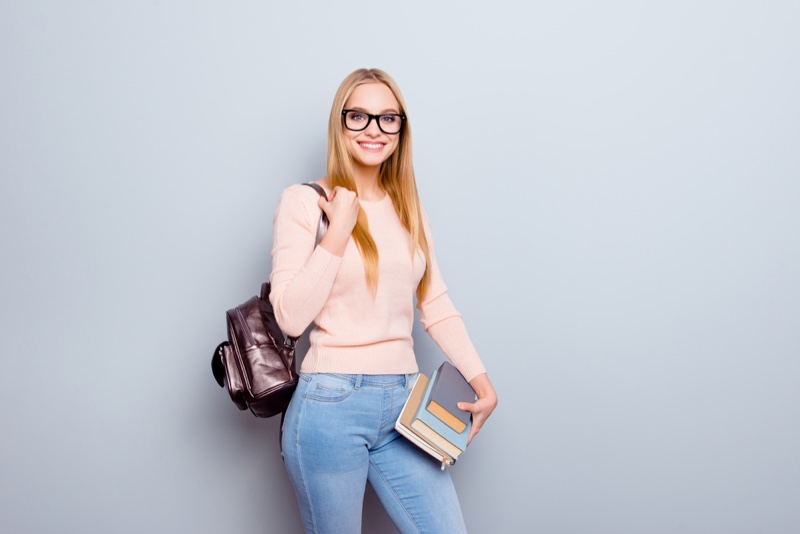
{"points": [[377, 120]]}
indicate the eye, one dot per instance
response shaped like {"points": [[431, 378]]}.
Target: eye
{"points": [[389, 119], [356, 116]]}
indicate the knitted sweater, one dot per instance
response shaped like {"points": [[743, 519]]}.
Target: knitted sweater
{"points": [[358, 332]]}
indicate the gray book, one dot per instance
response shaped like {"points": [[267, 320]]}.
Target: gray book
{"points": [[448, 389]]}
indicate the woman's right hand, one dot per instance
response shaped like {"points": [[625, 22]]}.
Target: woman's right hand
{"points": [[342, 209]]}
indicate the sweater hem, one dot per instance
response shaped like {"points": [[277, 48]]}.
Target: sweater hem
{"points": [[368, 360]]}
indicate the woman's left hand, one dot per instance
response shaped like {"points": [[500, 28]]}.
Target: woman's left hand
{"points": [[482, 408]]}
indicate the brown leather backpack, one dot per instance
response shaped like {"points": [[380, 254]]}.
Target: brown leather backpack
{"points": [[257, 361]]}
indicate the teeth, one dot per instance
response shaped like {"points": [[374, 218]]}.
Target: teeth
{"points": [[371, 145]]}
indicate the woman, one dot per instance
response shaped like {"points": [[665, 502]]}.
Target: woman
{"points": [[358, 288]]}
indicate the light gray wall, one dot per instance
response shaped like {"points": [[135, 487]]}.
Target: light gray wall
{"points": [[615, 192]]}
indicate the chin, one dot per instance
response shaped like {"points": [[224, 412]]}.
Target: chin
{"points": [[370, 160]]}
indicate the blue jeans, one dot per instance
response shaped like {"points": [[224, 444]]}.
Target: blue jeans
{"points": [[338, 434]]}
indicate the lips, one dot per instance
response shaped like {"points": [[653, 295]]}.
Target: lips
{"points": [[371, 146]]}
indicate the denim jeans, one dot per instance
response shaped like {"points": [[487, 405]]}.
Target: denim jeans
{"points": [[338, 434]]}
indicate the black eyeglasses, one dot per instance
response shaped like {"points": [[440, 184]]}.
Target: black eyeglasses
{"points": [[357, 121]]}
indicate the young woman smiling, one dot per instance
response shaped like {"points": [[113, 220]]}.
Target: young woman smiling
{"points": [[358, 288]]}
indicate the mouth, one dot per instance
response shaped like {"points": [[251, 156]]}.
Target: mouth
{"points": [[371, 146]]}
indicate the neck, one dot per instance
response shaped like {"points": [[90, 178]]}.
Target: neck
{"points": [[366, 179]]}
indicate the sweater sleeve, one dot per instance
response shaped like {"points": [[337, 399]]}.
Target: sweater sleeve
{"points": [[444, 323], [302, 274]]}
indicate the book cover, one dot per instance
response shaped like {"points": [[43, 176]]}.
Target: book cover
{"points": [[458, 439], [448, 389], [419, 437]]}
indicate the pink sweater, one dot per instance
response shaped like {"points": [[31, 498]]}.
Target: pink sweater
{"points": [[357, 332]]}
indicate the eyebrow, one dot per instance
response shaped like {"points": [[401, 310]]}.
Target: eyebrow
{"points": [[390, 110]]}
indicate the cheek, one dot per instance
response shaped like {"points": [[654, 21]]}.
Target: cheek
{"points": [[350, 144], [393, 147]]}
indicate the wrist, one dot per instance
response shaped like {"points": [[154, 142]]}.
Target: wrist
{"points": [[483, 387], [335, 241]]}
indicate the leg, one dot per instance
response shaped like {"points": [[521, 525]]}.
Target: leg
{"points": [[326, 455], [416, 493]]}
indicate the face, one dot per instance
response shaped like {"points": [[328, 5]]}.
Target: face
{"points": [[371, 147]]}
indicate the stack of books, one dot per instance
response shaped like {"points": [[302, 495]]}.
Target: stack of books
{"points": [[430, 417]]}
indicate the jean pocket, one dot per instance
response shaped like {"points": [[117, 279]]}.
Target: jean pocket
{"points": [[327, 388], [411, 380]]}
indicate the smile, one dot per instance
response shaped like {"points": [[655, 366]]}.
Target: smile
{"points": [[374, 147]]}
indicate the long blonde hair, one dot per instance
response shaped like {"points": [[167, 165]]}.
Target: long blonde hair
{"points": [[396, 178]]}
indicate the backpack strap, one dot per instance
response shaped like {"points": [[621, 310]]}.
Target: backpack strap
{"points": [[323, 219], [318, 189]]}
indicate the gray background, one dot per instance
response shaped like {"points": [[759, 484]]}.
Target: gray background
{"points": [[614, 188]]}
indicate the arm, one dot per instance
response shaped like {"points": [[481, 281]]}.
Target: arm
{"points": [[302, 276], [445, 325], [482, 408], [443, 322]]}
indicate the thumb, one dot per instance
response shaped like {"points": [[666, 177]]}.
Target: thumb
{"points": [[466, 406], [323, 204]]}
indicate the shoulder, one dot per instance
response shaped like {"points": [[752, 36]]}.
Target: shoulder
{"points": [[426, 223], [300, 191], [298, 201], [299, 196]]}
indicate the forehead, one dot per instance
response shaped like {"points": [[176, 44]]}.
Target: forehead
{"points": [[373, 97]]}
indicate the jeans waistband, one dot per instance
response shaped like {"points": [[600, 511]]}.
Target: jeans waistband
{"points": [[376, 380]]}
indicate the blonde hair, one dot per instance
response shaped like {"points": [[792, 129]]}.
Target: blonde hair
{"points": [[396, 178]]}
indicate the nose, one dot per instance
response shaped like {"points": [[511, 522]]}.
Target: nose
{"points": [[372, 128]]}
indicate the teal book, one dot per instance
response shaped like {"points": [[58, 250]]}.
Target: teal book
{"points": [[456, 439]]}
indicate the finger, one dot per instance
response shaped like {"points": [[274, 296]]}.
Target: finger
{"points": [[476, 419], [467, 407], [339, 189], [473, 432], [345, 193]]}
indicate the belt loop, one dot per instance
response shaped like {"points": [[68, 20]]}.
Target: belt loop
{"points": [[358, 381]]}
